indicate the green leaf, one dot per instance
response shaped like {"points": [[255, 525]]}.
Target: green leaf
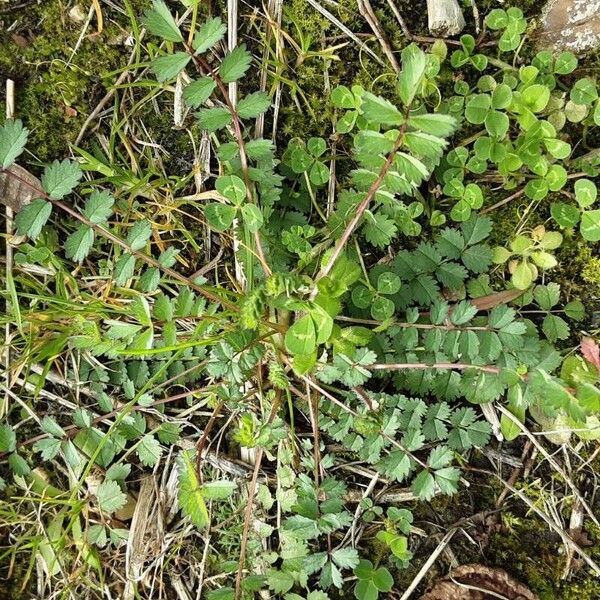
{"points": [[32, 217], [557, 148], [47, 447], [319, 173], [218, 490], [342, 97], [345, 558], [379, 110], [590, 225], [575, 310], [110, 496], [149, 450], [382, 308], [556, 178], [586, 192], [235, 64], [447, 479], [414, 63], [566, 63], [522, 277], [555, 328], [378, 229], [124, 268], [477, 108], [60, 178], [169, 66], [8, 438], [435, 124], [423, 486], [79, 243], [232, 187], [584, 91], [301, 337], [139, 234], [439, 457], [497, 124], [501, 96], [214, 118], [198, 91], [547, 296], [13, 137], [497, 19], [219, 216], [210, 32], [99, 207], [253, 105], [280, 581], [566, 215], [253, 217], [388, 283], [190, 496], [463, 312], [536, 97], [536, 189], [161, 23]]}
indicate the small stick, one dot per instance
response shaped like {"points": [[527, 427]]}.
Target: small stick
{"points": [[432, 558], [476, 16], [366, 10], [10, 112]]}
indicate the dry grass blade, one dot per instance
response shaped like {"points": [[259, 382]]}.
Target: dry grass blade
{"points": [[366, 10], [428, 564], [141, 525], [344, 29], [552, 462]]}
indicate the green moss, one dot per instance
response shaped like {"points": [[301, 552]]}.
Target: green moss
{"points": [[58, 83], [591, 272]]}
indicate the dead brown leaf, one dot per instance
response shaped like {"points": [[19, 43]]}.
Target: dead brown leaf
{"points": [[15, 193], [478, 582], [590, 351]]}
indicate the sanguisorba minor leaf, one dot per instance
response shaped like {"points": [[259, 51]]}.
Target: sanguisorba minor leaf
{"points": [[414, 62], [253, 105], [301, 337], [434, 123], [159, 21], [139, 234], [214, 118], [210, 32], [79, 243], [191, 500], [33, 217], [60, 178], [110, 496], [124, 269], [98, 207], [13, 137], [169, 66], [235, 64], [198, 92]]}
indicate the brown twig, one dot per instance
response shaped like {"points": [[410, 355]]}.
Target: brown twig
{"points": [[441, 366], [250, 505], [361, 208], [204, 68]]}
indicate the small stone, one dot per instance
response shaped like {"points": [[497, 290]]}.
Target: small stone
{"points": [[571, 25], [77, 14], [445, 17]]}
